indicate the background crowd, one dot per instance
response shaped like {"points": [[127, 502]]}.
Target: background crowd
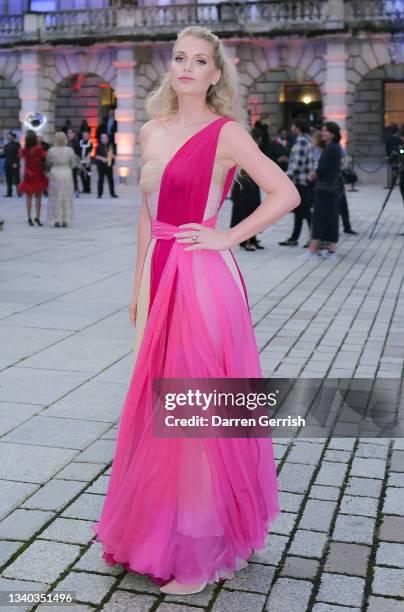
{"points": [[312, 157], [57, 170], [317, 164]]}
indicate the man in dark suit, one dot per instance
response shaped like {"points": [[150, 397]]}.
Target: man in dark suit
{"points": [[104, 156], [109, 126], [12, 164]]}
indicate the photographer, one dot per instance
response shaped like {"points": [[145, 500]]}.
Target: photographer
{"points": [[393, 144], [401, 163], [343, 204]]}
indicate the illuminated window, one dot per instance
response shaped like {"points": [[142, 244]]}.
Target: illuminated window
{"points": [[393, 102]]}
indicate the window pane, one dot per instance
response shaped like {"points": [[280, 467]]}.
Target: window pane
{"points": [[393, 102]]}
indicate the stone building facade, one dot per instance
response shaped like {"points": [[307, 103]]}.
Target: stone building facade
{"points": [[66, 64]]}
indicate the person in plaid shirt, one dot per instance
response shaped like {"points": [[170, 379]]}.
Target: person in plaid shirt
{"points": [[298, 171]]}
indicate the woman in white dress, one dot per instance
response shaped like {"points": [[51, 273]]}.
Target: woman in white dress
{"points": [[60, 161]]}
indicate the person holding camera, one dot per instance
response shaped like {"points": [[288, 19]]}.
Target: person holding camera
{"points": [[343, 204], [401, 162]]}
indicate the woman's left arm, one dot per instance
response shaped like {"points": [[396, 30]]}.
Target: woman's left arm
{"points": [[237, 145]]}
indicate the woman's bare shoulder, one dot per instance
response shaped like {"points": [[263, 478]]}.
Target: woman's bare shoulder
{"points": [[147, 132], [149, 128], [230, 135]]}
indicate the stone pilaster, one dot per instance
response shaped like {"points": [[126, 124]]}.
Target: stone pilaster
{"points": [[125, 113], [335, 84], [30, 85]]}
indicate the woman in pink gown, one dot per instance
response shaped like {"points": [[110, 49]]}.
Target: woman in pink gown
{"points": [[190, 511]]}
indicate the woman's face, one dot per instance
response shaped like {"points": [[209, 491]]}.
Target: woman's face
{"points": [[315, 141], [326, 135], [192, 67]]}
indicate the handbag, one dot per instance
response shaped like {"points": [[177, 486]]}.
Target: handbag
{"points": [[350, 177], [327, 188]]}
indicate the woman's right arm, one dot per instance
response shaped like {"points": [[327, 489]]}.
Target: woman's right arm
{"points": [[143, 241]]}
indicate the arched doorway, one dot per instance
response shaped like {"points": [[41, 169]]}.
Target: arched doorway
{"points": [[283, 94], [377, 103], [83, 96]]}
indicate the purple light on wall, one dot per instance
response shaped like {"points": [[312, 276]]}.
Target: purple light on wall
{"points": [[43, 5]]}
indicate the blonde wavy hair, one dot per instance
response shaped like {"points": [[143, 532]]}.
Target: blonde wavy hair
{"points": [[60, 139], [222, 98]]}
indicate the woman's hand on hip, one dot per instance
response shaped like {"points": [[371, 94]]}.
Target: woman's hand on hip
{"points": [[211, 238]]}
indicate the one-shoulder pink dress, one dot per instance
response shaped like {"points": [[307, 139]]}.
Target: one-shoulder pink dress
{"points": [[193, 509]]}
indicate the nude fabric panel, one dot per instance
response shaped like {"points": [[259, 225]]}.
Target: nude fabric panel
{"points": [[144, 298], [150, 181], [227, 256]]}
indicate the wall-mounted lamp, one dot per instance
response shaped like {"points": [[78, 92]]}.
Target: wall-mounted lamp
{"points": [[34, 121]]}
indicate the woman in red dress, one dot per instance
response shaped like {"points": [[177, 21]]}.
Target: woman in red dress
{"points": [[34, 181]]}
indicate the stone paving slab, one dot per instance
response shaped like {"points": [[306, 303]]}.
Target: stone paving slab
{"points": [[376, 604], [230, 601], [350, 559], [92, 561], [12, 414], [255, 577], [62, 315], [22, 524], [29, 463], [60, 433], [308, 544], [7, 549], [90, 588], [13, 493], [71, 531], [392, 529], [342, 590], [19, 342], [42, 561], [87, 507], [78, 470], [54, 495], [20, 384], [22, 586], [121, 601], [388, 581], [289, 595], [337, 545], [93, 401], [80, 354], [297, 567]]}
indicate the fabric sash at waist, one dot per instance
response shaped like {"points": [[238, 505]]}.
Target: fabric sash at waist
{"points": [[166, 231]]}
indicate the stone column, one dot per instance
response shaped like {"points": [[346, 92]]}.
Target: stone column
{"points": [[125, 114], [335, 84], [30, 88]]}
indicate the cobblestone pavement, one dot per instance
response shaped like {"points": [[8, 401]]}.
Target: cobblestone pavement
{"points": [[65, 363]]}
